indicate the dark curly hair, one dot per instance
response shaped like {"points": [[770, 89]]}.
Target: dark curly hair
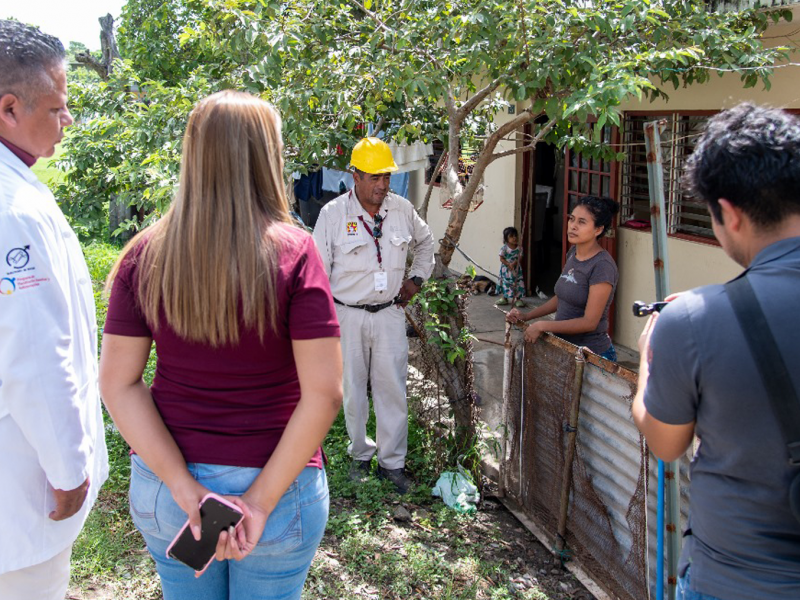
{"points": [[26, 56], [603, 210], [508, 232], [749, 155]]}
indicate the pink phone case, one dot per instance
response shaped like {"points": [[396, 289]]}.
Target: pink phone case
{"points": [[222, 501]]}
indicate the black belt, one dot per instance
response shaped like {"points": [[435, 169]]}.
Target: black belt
{"points": [[370, 308]]}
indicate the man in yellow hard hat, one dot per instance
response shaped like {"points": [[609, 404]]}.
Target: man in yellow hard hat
{"points": [[364, 237]]}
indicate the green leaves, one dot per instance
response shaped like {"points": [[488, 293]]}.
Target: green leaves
{"points": [[125, 145], [333, 70], [437, 299]]}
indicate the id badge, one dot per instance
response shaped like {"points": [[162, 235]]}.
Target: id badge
{"points": [[381, 281]]}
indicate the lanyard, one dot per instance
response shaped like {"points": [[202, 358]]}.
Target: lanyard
{"points": [[376, 234]]}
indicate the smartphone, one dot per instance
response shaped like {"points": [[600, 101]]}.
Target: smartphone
{"points": [[216, 515]]}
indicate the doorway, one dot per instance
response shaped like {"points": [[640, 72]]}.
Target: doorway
{"points": [[542, 199]]}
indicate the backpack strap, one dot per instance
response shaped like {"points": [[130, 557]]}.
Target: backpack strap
{"points": [[770, 363]]}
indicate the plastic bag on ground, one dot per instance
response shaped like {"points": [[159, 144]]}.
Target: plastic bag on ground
{"points": [[457, 491]]}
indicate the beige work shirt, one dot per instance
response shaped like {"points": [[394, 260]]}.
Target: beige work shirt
{"points": [[351, 258]]}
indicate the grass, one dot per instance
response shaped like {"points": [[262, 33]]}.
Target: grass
{"points": [[110, 553], [46, 171], [369, 550]]}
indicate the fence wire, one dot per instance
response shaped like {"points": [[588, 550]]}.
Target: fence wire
{"points": [[438, 389]]}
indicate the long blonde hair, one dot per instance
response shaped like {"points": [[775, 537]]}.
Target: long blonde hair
{"points": [[217, 248]]}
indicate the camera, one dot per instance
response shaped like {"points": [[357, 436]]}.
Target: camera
{"points": [[642, 309]]}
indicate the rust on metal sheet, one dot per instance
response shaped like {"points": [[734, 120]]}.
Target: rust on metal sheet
{"points": [[658, 264], [655, 210], [671, 527]]}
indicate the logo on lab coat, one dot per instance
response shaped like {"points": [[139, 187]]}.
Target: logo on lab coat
{"points": [[352, 228], [17, 258], [7, 286]]}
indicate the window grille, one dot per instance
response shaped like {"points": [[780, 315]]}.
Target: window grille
{"points": [[685, 214]]}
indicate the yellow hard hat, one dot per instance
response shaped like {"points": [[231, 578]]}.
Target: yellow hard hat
{"points": [[373, 156]]}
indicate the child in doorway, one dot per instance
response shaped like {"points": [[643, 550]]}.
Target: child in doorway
{"points": [[512, 287]]}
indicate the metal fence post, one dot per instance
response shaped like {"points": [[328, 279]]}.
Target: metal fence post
{"points": [[668, 479]]}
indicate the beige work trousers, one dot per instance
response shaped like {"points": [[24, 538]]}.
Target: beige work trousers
{"points": [[375, 349], [46, 581]]}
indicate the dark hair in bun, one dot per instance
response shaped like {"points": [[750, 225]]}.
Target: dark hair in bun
{"points": [[603, 210]]}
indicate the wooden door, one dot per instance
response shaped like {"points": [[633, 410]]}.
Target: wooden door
{"points": [[590, 176]]}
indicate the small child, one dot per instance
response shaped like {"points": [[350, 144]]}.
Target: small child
{"points": [[512, 287]]}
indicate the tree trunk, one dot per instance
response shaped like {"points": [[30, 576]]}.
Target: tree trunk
{"points": [[108, 49], [462, 196], [108, 43]]}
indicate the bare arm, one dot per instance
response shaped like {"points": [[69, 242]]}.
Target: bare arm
{"points": [[549, 307], [667, 442], [128, 400]]}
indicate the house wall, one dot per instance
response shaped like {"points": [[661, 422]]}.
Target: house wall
{"points": [[691, 263], [482, 236]]}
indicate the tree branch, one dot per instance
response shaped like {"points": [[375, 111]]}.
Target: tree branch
{"points": [[386, 28], [477, 98], [90, 62], [379, 126], [371, 15], [519, 150]]}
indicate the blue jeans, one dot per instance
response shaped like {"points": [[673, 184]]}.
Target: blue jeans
{"points": [[684, 593], [610, 354], [277, 567]]}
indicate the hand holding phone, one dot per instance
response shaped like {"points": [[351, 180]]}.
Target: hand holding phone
{"points": [[216, 515]]}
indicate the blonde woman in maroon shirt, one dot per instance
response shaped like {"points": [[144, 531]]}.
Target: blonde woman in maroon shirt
{"points": [[248, 374]]}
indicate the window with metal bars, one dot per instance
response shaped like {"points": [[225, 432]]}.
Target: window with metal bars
{"points": [[686, 215]]}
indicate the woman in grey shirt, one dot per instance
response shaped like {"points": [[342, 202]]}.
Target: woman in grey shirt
{"points": [[585, 290]]}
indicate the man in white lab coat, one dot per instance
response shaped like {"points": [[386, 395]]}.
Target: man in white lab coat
{"points": [[51, 428]]}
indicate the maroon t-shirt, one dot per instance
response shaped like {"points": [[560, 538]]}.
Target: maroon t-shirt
{"points": [[229, 405]]}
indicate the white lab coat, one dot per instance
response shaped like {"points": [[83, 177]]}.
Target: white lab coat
{"points": [[51, 426]]}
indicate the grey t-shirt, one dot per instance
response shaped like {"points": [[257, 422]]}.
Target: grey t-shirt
{"points": [[572, 289], [744, 541]]}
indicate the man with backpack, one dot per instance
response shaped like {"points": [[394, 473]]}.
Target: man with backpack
{"points": [[706, 368]]}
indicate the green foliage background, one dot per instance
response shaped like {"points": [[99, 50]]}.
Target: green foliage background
{"points": [[417, 69]]}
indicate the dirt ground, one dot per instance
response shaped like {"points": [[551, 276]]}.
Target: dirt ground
{"points": [[522, 566]]}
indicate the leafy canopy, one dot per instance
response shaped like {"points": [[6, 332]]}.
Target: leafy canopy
{"points": [[416, 69]]}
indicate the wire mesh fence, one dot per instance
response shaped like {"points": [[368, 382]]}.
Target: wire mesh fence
{"points": [[442, 394], [606, 475]]}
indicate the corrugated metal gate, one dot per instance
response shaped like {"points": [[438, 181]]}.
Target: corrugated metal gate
{"points": [[603, 495]]}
